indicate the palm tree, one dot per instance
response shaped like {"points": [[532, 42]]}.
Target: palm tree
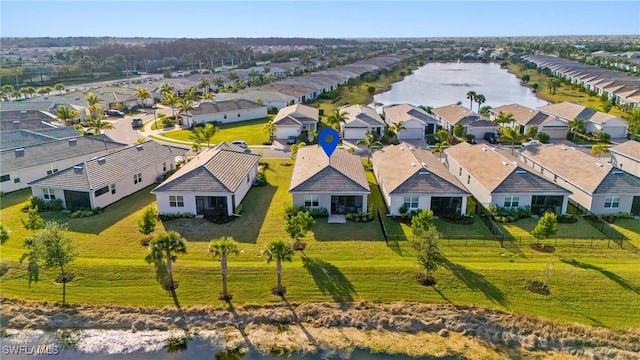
{"points": [[66, 113], [208, 96], [503, 118], [312, 135], [633, 118], [59, 87], [31, 91], [576, 126], [471, 95], [295, 147], [166, 87], [218, 81], [96, 124], [220, 248], [278, 250], [336, 118], [8, 89], [426, 108], [171, 100], [480, 99], [368, 142], [204, 84], [185, 105], [395, 128], [440, 148], [93, 102], [599, 149], [233, 76], [143, 94], [165, 247], [513, 135], [269, 128], [204, 134]]}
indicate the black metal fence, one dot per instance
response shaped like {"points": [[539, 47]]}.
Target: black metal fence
{"points": [[610, 232], [487, 220]]}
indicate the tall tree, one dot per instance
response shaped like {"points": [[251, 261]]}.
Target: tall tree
{"points": [[147, 223], [421, 222], [65, 114], [163, 251], [633, 118], [440, 147], [204, 85], [480, 99], [171, 100], [166, 87], [429, 256], [269, 128], [599, 149], [59, 87], [185, 105], [368, 142], [295, 147], [503, 118], [280, 251], [396, 127], [97, 124], [336, 118], [576, 126], [8, 89], [50, 248], [143, 94], [220, 249], [512, 135], [204, 134], [471, 95], [546, 227]]}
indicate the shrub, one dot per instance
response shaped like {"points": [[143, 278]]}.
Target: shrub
{"points": [[567, 219], [470, 138], [261, 179], [431, 139], [33, 220], [34, 202], [543, 137], [319, 213], [458, 219]]}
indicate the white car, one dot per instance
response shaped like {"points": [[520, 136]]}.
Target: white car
{"points": [[531, 142], [240, 143]]}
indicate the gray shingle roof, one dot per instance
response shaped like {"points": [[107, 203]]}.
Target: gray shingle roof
{"points": [[125, 162], [210, 107], [523, 181], [12, 139], [219, 169], [314, 172], [86, 146], [404, 169], [619, 182]]}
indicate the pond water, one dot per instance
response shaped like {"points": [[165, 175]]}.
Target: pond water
{"points": [[440, 84], [143, 345]]}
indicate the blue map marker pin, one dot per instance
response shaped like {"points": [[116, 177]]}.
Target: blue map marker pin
{"points": [[328, 140]]}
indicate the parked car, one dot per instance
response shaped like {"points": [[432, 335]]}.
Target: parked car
{"points": [[292, 139], [136, 123], [491, 138], [116, 113], [240, 143], [531, 142]]}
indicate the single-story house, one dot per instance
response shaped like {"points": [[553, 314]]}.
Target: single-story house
{"points": [[224, 112], [294, 119], [595, 184], [359, 120], [451, 115], [496, 178], [12, 139], [415, 178], [416, 121], [626, 156], [338, 183], [528, 118], [22, 165], [215, 181], [104, 180], [593, 120]]}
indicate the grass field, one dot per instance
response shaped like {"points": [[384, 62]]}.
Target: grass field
{"points": [[342, 262], [249, 131]]}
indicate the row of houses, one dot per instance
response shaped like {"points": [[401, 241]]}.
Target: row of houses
{"points": [[618, 87]]}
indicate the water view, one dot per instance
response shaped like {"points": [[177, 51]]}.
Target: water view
{"points": [[440, 84]]}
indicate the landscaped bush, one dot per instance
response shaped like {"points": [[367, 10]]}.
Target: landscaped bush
{"points": [[458, 219], [168, 122], [567, 219], [431, 139], [504, 215], [543, 137], [611, 218], [359, 217], [178, 215], [52, 205], [319, 213], [291, 210], [261, 179]]}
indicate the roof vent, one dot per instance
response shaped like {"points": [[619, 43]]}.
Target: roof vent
{"points": [[77, 97], [23, 111], [139, 147], [599, 165], [423, 164], [19, 152], [93, 158], [514, 163], [413, 164], [617, 172], [73, 142], [16, 121], [484, 149], [563, 148], [78, 169], [519, 171], [424, 172], [102, 160], [505, 163], [401, 148]]}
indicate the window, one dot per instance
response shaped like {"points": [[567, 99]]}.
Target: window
{"points": [[16, 179], [49, 194], [225, 116], [176, 201], [164, 166], [102, 191], [137, 178], [411, 202], [238, 115], [511, 201], [311, 201], [612, 202], [4, 178], [52, 169], [113, 189]]}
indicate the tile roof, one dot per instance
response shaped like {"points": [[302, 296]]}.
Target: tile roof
{"points": [[522, 114], [630, 148], [222, 168], [12, 139], [53, 151], [210, 107], [497, 171], [314, 172], [452, 113], [100, 172], [405, 169], [581, 169], [361, 113], [404, 112], [297, 113]]}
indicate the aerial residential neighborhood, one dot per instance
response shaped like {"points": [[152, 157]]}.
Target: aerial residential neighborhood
{"points": [[338, 197]]}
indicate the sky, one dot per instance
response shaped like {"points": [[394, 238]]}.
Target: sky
{"points": [[317, 19]]}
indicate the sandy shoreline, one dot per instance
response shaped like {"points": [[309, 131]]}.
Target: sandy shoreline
{"points": [[445, 329]]}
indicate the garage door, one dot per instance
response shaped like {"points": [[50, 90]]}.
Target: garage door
{"points": [[283, 132], [411, 134], [556, 133], [354, 133], [616, 132]]}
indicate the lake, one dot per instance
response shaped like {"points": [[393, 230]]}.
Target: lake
{"points": [[440, 84]]}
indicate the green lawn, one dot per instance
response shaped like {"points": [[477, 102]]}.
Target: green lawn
{"points": [[249, 131], [342, 262]]}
